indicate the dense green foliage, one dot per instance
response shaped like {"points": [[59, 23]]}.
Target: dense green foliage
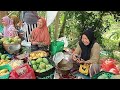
{"points": [[73, 23]]}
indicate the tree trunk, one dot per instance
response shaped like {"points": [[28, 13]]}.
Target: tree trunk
{"points": [[2, 14], [119, 44], [63, 25], [56, 26], [100, 18], [19, 14], [83, 21]]}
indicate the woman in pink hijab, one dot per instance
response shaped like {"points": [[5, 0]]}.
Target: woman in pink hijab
{"points": [[9, 29]]}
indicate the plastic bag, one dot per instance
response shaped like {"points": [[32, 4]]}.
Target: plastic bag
{"points": [[64, 39], [15, 63], [56, 46], [84, 69], [23, 72], [109, 66], [25, 43]]}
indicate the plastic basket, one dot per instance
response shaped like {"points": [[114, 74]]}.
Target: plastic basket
{"points": [[48, 74], [1, 28], [6, 47], [38, 51], [104, 54], [5, 67], [109, 74]]}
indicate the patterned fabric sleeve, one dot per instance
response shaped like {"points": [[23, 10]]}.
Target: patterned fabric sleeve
{"points": [[12, 32]]}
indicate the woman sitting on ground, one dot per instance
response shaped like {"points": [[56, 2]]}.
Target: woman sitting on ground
{"points": [[9, 29], [87, 52], [40, 38], [18, 25]]}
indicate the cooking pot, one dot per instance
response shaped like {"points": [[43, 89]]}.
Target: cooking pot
{"points": [[64, 67], [63, 61]]}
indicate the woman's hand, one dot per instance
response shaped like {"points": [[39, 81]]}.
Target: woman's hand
{"points": [[34, 43], [88, 62], [77, 59], [74, 57], [40, 44], [80, 61]]}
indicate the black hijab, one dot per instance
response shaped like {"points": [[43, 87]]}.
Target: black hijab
{"points": [[86, 50]]}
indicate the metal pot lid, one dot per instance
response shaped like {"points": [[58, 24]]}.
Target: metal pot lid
{"points": [[58, 57], [65, 65]]}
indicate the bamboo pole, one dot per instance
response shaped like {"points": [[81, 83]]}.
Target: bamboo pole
{"points": [[56, 26]]}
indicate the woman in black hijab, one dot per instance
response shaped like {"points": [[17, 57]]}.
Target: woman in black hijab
{"points": [[86, 43], [87, 51]]}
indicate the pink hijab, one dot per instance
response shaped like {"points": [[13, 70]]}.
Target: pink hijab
{"points": [[9, 30]]}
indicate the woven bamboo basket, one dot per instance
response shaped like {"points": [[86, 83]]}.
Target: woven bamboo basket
{"points": [[6, 47]]}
